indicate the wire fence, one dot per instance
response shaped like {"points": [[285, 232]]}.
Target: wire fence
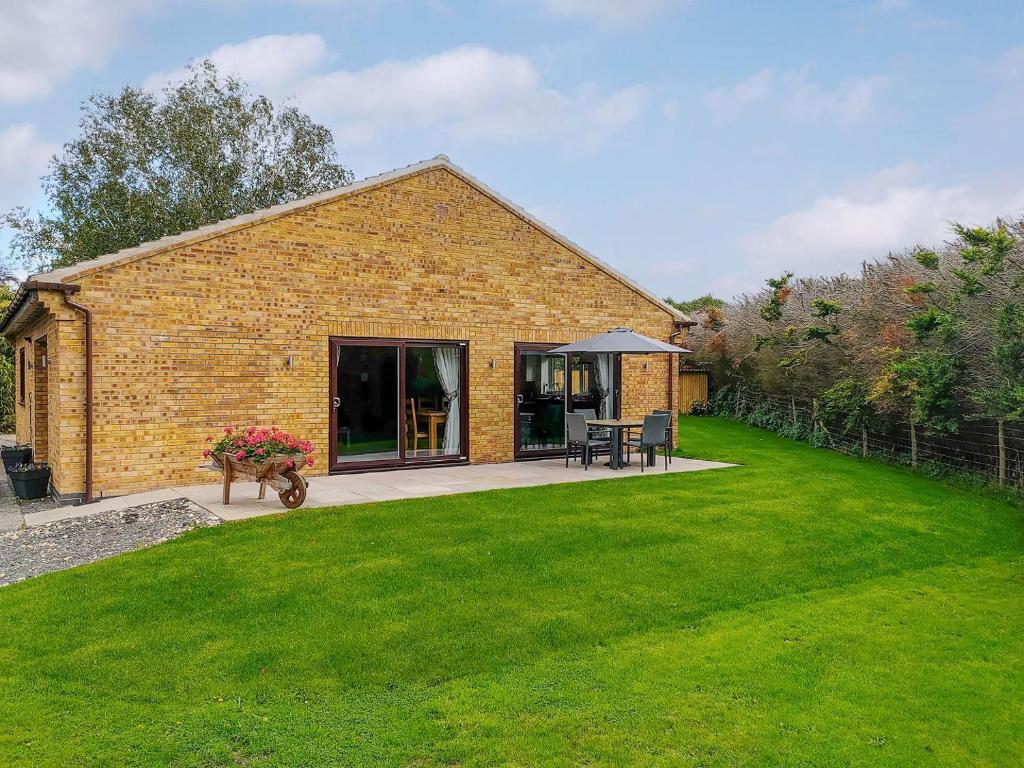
{"points": [[983, 448]]}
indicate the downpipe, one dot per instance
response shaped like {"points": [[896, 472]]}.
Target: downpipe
{"points": [[87, 314]]}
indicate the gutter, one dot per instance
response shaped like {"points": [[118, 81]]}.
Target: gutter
{"points": [[68, 290], [673, 371]]}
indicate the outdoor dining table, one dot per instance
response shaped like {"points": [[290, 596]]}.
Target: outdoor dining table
{"points": [[615, 426]]}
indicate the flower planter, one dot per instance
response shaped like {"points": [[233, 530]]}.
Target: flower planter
{"points": [[31, 481], [14, 455], [279, 472], [268, 455]]}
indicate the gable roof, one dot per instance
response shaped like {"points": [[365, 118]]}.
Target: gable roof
{"points": [[67, 275]]}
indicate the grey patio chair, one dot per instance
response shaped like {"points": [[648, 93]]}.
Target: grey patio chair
{"points": [[653, 435], [578, 438], [598, 433], [671, 434]]}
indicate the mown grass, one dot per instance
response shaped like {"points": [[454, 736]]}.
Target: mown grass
{"points": [[806, 608]]}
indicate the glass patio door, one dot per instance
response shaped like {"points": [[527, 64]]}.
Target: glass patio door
{"points": [[397, 402], [540, 392], [367, 396]]}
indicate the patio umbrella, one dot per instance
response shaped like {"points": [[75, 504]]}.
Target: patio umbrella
{"points": [[621, 341]]}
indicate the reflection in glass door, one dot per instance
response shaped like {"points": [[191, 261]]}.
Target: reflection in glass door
{"points": [[593, 384], [366, 403], [540, 400]]}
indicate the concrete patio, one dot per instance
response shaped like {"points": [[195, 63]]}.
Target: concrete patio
{"points": [[340, 490]]}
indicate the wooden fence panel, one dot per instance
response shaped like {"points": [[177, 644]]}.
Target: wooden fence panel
{"points": [[693, 385]]}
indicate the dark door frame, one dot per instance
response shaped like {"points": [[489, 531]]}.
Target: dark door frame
{"points": [[529, 346], [402, 462]]}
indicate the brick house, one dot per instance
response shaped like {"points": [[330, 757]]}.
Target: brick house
{"points": [[400, 321]]}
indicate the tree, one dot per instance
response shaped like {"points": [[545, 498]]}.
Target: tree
{"points": [[701, 303], [6, 368], [146, 165]]}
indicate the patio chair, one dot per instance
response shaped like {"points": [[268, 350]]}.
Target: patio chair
{"points": [[671, 434], [653, 435], [598, 433], [577, 438]]}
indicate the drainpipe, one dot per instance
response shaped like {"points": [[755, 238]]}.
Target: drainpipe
{"points": [[87, 314], [673, 371]]}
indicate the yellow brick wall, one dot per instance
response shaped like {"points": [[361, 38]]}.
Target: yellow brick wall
{"points": [[22, 416], [32, 422], [197, 337]]}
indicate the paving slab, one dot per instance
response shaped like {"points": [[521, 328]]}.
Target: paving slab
{"points": [[362, 488], [341, 490]]}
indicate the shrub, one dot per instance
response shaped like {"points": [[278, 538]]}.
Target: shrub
{"points": [[723, 401], [6, 392], [700, 408]]}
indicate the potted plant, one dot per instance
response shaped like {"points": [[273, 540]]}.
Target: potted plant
{"points": [[15, 454], [31, 480]]}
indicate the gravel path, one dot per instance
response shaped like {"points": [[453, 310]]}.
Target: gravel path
{"points": [[67, 543]]}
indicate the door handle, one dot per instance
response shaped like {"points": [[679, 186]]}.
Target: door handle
{"points": [[519, 399], [336, 402]]}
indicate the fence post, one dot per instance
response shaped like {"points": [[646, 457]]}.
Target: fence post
{"points": [[863, 441], [913, 442], [1002, 454], [814, 411], [792, 407]]}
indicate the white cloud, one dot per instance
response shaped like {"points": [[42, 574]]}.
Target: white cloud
{"points": [[881, 213], [1009, 65], [793, 93], [470, 92], [44, 41], [727, 103], [23, 159], [272, 63], [611, 12]]}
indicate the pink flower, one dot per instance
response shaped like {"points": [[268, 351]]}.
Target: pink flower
{"points": [[228, 430], [209, 438], [309, 461], [259, 451], [240, 455], [290, 464], [206, 453]]}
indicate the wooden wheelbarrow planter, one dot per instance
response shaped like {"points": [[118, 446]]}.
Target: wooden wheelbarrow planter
{"points": [[289, 484]]}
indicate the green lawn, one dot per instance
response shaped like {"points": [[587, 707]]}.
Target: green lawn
{"points": [[804, 609]]}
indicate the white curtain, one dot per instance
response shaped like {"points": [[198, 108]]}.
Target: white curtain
{"points": [[603, 371], [545, 373], [446, 361]]}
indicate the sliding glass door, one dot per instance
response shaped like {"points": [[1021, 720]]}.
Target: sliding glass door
{"points": [[545, 390], [397, 402], [540, 400], [366, 395]]}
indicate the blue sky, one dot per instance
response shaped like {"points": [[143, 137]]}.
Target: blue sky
{"points": [[696, 145]]}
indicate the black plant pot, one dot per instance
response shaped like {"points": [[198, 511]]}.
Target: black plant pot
{"points": [[31, 483], [15, 455]]}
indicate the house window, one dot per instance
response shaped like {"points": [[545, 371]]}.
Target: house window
{"points": [[21, 375]]}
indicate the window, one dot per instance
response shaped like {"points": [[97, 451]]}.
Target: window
{"points": [[21, 375]]}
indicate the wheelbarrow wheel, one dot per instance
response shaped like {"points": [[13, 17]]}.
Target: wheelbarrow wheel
{"points": [[295, 495]]}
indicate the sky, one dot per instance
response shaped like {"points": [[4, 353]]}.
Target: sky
{"points": [[695, 145]]}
